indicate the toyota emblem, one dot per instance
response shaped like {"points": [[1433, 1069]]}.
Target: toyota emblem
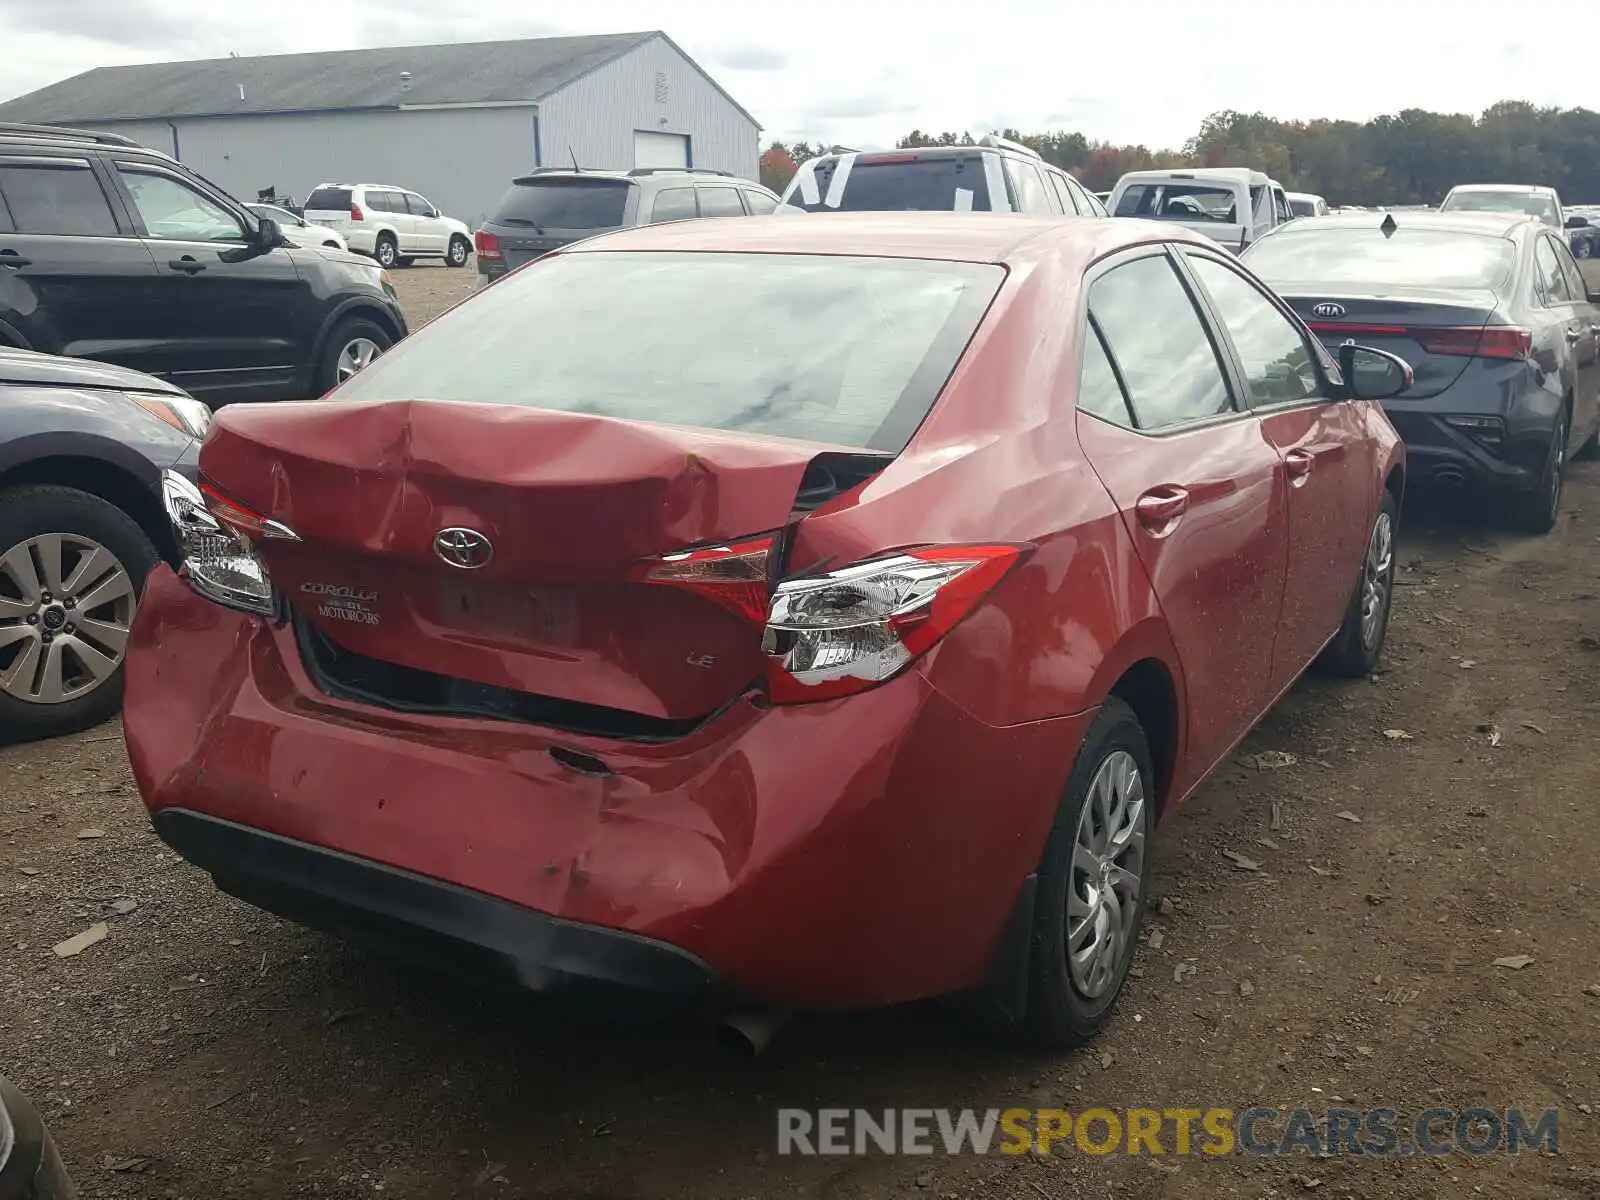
{"points": [[464, 548], [1328, 309]]}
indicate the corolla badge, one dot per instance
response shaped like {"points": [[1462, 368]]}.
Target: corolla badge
{"points": [[464, 548], [1328, 309]]}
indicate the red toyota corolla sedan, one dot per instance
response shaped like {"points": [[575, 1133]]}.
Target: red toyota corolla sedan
{"points": [[810, 614]]}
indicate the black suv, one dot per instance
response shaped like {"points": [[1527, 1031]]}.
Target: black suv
{"points": [[992, 174], [112, 251], [553, 207]]}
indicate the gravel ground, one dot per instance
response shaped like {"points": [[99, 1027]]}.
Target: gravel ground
{"points": [[203, 1049]]}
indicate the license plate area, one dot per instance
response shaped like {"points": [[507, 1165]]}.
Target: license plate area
{"points": [[509, 613]]}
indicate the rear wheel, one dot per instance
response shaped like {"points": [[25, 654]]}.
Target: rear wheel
{"points": [[1357, 647], [386, 251], [1537, 511], [352, 345], [71, 569], [459, 250], [1091, 889]]}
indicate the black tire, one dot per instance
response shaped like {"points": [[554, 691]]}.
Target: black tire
{"points": [[346, 333], [1061, 1013], [1590, 448], [34, 510], [1354, 652], [459, 251], [404, 261], [386, 250], [1536, 512]]}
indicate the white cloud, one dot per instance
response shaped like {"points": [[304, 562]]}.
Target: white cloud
{"points": [[844, 70]]}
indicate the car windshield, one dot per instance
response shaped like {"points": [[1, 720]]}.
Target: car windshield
{"points": [[565, 203], [1348, 253], [1178, 202], [848, 351], [893, 183], [1532, 205]]}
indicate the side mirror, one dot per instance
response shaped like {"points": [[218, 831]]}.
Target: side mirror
{"points": [[1577, 223], [267, 238], [1373, 374]]}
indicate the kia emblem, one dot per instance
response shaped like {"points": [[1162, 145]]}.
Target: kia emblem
{"points": [[1328, 309], [464, 548]]}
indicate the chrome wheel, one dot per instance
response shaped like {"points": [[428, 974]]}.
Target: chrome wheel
{"points": [[1104, 892], [386, 254], [66, 604], [1375, 580], [357, 353], [458, 253]]}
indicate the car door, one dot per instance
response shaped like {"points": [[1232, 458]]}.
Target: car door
{"points": [[391, 209], [1200, 489], [235, 329], [75, 278], [1329, 463], [1572, 312], [428, 231], [1586, 349]]}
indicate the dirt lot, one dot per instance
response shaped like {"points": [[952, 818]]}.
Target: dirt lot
{"points": [[206, 1050]]}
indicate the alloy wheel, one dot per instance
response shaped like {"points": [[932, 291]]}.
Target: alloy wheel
{"points": [[1375, 580], [458, 252], [1557, 459], [1106, 885], [66, 605], [357, 353], [386, 254]]}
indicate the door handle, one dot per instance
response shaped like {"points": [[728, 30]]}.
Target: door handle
{"points": [[10, 258], [188, 264], [1298, 463], [1160, 507]]}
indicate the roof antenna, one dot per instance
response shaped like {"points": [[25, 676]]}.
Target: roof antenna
{"points": [[575, 165]]}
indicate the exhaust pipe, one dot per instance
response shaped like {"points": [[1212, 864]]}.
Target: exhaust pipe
{"points": [[747, 1034]]}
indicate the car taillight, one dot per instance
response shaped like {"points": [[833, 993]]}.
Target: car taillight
{"points": [[355, 212], [1490, 341], [847, 630], [486, 245], [215, 537]]}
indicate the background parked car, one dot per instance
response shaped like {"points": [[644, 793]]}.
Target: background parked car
{"points": [[1496, 321], [30, 1166], [993, 175], [556, 206], [1213, 513], [391, 224], [1230, 205], [298, 230], [1306, 204], [82, 449], [1583, 231], [1541, 203], [112, 251]]}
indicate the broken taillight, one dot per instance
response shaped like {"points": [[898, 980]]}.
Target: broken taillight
{"points": [[215, 537], [843, 631]]}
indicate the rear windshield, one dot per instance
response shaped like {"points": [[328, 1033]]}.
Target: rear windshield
{"points": [[1178, 202], [1303, 208], [1542, 207], [328, 199], [847, 351], [565, 204], [1361, 254], [895, 183]]}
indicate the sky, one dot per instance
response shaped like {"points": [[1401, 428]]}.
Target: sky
{"points": [[866, 73]]}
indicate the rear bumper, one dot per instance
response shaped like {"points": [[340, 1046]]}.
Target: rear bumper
{"points": [[858, 852], [1440, 453]]}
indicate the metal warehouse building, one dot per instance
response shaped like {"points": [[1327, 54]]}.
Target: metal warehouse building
{"points": [[455, 123]]}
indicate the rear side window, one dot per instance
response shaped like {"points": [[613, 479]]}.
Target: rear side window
{"points": [[720, 202], [330, 199], [841, 350], [1159, 344], [673, 204], [897, 183], [65, 200], [565, 203], [1069, 203], [1179, 202]]}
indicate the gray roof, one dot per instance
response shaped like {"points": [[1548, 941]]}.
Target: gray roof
{"points": [[463, 73]]}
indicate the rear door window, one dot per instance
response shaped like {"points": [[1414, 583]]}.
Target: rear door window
{"points": [[720, 202], [565, 203], [673, 204], [896, 183], [51, 198]]}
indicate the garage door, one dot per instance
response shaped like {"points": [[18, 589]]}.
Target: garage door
{"points": [[651, 149]]}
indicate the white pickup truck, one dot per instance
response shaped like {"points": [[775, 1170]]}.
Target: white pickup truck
{"points": [[1231, 205]]}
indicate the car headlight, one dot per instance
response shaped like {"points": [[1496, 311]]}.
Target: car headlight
{"points": [[183, 413]]}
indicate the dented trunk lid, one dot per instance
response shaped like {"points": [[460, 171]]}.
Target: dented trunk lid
{"points": [[567, 504]]}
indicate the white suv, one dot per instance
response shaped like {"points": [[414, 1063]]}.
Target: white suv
{"points": [[389, 223]]}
